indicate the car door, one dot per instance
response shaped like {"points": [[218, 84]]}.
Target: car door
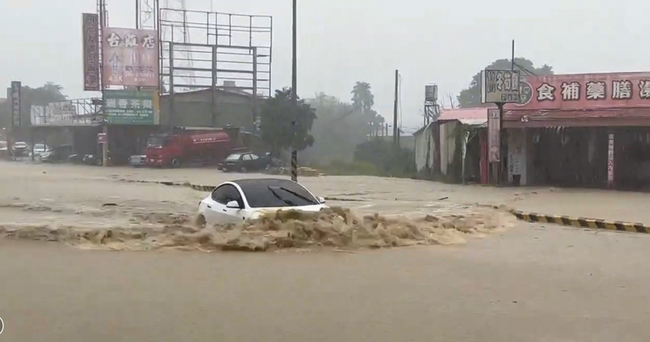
{"points": [[217, 211], [246, 161], [216, 205], [256, 162]]}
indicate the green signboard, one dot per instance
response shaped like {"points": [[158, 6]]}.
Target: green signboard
{"points": [[131, 107]]}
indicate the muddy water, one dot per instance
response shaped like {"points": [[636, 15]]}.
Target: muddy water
{"points": [[532, 283], [124, 209]]}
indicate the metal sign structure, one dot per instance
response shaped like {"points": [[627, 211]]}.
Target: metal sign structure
{"points": [[500, 86], [130, 57], [222, 50], [78, 112], [90, 31], [16, 102]]}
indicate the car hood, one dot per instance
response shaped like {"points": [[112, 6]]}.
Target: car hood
{"points": [[259, 212]]}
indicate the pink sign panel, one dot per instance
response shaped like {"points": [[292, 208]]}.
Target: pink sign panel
{"points": [[130, 57], [584, 91], [494, 136]]}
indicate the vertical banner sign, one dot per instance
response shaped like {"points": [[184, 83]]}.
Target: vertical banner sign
{"points": [[500, 86], [610, 161], [15, 103], [494, 136], [130, 57], [90, 31]]}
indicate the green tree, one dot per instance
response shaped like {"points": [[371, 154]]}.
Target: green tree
{"points": [[336, 131], [362, 97], [471, 96], [285, 125]]}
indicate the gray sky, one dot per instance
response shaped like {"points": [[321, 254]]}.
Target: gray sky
{"points": [[343, 41]]}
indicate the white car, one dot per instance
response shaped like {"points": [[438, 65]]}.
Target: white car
{"points": [[248, 199]]}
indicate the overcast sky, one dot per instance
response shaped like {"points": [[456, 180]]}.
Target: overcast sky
{"points": [[344, 41]]}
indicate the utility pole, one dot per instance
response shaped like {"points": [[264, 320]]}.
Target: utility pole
{"points": [[102, 25], [395, 129], [294, 90]]}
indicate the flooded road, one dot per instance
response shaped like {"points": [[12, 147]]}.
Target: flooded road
{"points": [[529, 283]]}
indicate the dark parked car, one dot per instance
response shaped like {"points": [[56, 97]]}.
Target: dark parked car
{"points": [[243, 162], [57, 154]]}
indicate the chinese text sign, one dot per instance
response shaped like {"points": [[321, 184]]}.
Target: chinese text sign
{"points": [[90, 28], [587, 91], [500, 86], [126, 107], [494, 136], [15, 103], [130, 57]]}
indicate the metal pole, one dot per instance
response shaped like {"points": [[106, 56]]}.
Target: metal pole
{"points": [[501, 168], [294, 89], [512, 60], [395, 129], [102, 24]]}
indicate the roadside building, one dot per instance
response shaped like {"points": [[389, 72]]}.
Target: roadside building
{"points": [[586, 130], [454, 147]]}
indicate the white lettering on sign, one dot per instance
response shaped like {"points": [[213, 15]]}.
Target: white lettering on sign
{"points": [[570, 91], [621, 90], [644, 89], [546, 92], [596, 90]]}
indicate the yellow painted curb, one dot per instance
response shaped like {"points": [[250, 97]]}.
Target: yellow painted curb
{"points": [[581, 222]]}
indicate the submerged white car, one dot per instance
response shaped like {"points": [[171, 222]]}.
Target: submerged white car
{"points": [[246, 199]]}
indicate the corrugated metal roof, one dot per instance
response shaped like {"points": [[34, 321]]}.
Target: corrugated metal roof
{"points": [[476, 115]]}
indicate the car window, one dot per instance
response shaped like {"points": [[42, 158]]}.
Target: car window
{"points": [[276, 194], [233, 157], [247, 157], [225, 194], [254, 156]]}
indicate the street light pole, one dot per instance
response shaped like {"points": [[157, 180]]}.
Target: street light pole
{"points": [[294, 91]]}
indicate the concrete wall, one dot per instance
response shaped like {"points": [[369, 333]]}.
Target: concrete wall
{"points": [[424, 149], [194, 109]]}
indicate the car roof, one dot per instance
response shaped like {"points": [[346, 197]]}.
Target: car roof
{"points": [[263, 181]]}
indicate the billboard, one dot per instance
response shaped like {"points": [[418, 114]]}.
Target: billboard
{"points": [[64, 113], [130, 57], [131, 107], [499, 86], [90, 31], [586, 91], [494, 135], [15, 103]]}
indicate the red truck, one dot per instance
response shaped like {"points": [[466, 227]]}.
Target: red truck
{"points": [[205, 146]]}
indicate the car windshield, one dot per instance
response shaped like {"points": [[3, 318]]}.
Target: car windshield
{"points": [[233, 157], [40, 147], [155, 142], [273, 193]]}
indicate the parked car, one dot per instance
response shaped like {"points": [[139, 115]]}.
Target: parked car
{"points": [[249, 199], [20, 149], [138, 160], [3, 149], [39, 149], [57, 154], [243, 162]]}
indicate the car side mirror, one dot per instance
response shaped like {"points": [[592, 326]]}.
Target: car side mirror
{"points": [[321, 200], [233, 205]]}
